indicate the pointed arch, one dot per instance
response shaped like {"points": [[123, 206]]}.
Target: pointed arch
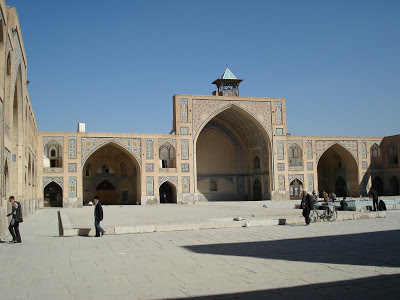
{"points": [[216, 157], [112, 163], [53, 195], [393, 154], [335, 162], [168, 192]]}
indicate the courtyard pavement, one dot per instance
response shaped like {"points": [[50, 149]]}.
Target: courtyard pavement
{"points": [[173, 217], [332, 260]]}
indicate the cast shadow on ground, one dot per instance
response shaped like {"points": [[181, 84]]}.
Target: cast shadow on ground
{"points": [[378, 287], [369, 249]]}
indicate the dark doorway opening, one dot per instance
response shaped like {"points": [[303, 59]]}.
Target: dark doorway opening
{"points": [[106, 191], [340, 187], [377, 184], [52, 195], [167, 193], [394, 186], [257, 190]]}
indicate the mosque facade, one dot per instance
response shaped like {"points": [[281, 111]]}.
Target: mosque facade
{"points": [[222, 147]]}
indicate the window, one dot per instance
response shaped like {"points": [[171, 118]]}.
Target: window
{"points": [[256, 162], [295, 156], [213, 186], [105, 169], [87, 171], [53, 153], [124, 196], [124, 171], [167, 155], [9, 64], [393, 154]]}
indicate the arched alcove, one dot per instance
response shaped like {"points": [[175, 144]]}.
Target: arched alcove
{"points": [[167, 193], [115, 165], [232, 147], [53, 195], [337, 162]]}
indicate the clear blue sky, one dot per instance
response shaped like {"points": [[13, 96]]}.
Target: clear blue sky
{"points": [[115, 65]]}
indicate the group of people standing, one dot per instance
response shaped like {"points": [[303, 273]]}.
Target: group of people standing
{"points": [[308, 201], [16, 218]]}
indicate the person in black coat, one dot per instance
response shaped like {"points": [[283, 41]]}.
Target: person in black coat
{"points": [[16, 218], [307, 204], [98, 216], [373, 193]]}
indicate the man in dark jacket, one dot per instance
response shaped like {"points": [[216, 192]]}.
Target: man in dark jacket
{"points": [[16, 214], [373, 193], [98, 216], [308, 205]]}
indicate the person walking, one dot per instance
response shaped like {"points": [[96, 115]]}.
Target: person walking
{"points": [[16, 218], [373, 193], [308, 205], [98, 216]]}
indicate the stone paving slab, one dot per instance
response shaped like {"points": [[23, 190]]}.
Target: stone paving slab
{"points": [[326, 260], [172, 217]]}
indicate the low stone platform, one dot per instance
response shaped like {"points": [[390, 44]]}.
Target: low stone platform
{"points": [[173, 217]]}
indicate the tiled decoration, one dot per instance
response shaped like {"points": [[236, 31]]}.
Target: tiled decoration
{"points": [[170, 141], [310, 179], [172, 179], [72, 187], [149, 148], [185, 149], [309, 149], [185, 184], [280, 149], [58, 180], [72, 147], [72, 167], [185, 167], [203, 110], [184, 109], [149, 185], [323, 145], [58, 139], [281, 167], [299, 177], [310, 166], [149, 167], [281, 182], [364, 165], [363, 149], [90, 145], [184, 130], [279, 131], [278, 113]]}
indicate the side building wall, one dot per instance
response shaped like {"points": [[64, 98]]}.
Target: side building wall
{"points": [[18, 128]]}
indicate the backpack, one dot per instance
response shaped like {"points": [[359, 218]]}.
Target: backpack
{"points": [[382, 205]]}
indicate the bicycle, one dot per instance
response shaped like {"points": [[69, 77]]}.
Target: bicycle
{"points": [[329, 213]]}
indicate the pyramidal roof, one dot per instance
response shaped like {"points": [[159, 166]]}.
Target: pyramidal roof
{"points": [[228, 74]]}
